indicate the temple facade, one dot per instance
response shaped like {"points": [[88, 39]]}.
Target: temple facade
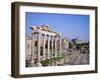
{"points": [[44, 44]]}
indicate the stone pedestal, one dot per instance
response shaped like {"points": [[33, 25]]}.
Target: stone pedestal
{"points": [[32, 63], [39, 64]]}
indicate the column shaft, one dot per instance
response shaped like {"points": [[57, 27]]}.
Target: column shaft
{"points": [[44, 47], [55, 47], [32, 57], [38, 54], [48, 46], [60, 45], [52, 48]]}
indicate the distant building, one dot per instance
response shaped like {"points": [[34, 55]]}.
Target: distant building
{"points": [[77, 41], [65, 43]]}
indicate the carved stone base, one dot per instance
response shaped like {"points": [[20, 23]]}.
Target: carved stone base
{"points": [[39, 64]]}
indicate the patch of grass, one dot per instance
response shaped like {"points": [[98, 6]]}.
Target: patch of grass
{"points": [[46, 62]]}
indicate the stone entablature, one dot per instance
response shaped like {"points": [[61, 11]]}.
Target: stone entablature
{"points": [[45, 30]]}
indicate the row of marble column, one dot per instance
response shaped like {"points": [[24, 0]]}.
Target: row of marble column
{"points": [[53, 46]]}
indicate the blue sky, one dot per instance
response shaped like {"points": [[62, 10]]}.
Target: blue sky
{"points": [[70, 25]]}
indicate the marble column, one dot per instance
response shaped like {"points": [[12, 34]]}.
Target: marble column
{"points": [[44, 46], [52, 46], [52, 50], [60, 44], [38, 54], [55, 46], [48, 46], [55, 49], [33, 42]]}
